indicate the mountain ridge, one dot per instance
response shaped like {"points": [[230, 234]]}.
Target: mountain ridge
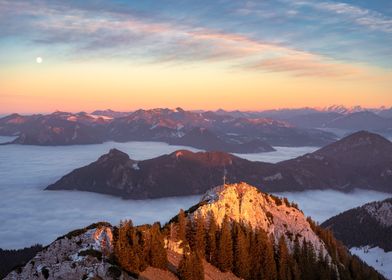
{"points": [[186, 173], [161, 124], [366, 225]]}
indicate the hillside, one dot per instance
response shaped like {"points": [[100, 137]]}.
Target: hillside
{"points": [[253, 236], [361, 160], [368, 225]]}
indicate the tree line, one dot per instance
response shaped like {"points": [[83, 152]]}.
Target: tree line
{"points": [[237, 248]]}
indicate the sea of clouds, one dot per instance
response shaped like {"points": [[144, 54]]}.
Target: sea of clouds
{"points": [[31, 215]]}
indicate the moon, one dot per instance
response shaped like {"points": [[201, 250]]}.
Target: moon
{"points": [[39, 59]]}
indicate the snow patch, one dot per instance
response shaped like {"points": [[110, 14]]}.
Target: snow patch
{"points": [[277, 176], [154, 126], [375, 257], [135, 166]]}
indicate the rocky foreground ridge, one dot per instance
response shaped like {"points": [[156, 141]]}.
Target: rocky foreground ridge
{"points": [[234, 232], [361, 160]]}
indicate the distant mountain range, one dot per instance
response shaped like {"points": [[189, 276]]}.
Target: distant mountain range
{"points": [[227, 131], [205, 130], [350, 119], [368, 225], [234, 232], [361, 160]]}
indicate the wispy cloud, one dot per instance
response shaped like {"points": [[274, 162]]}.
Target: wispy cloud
{"points": [[85, 32], [363, 17]]}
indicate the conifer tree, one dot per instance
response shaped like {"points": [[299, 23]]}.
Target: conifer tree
{"points": [[184, 269], [241, 256], [190, 232], [269, 271], [211, 247], [200, 236], [181, 234], [283, 260], [256, 251], [198, 268], [225, 249], [158, 256], [124, 248], [190, 266]]}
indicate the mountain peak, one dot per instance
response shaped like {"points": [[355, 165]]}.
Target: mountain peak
{"points": [[363, 138], [246, 204], [360, 146], [114, 154], [221, 191]]}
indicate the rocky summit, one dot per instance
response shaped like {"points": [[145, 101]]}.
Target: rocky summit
{"points": [[247, 204]]}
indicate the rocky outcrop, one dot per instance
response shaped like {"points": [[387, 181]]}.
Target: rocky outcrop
{"points": [[82, 254], [246, 204], [362, 160]]}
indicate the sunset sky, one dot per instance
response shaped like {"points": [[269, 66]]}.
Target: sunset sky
{"points": [[204, 54]]}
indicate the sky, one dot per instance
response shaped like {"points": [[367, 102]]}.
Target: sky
{"points": [[206, 54]]}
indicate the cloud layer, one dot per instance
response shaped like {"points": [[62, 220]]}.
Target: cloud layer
{"points": [[255, 36], [30, 215]]}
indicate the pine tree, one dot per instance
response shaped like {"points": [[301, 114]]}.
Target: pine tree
{"points": [[185, 268], [158, 256], [200, 236], [124, 248], [181, 234], [297, 250], [190, 266], [283, 260], [211, 248], [241, 257], [198, 268], [190, 233], [269, 271], [225, 249], [256, 254]]}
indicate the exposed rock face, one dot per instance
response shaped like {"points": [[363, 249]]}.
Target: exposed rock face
{"points": [[246, 204], [368, 225], [74, 256], [362, 160]]}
